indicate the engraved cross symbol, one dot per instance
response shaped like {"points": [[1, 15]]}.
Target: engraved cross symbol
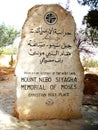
{"points": [[50, 18]]}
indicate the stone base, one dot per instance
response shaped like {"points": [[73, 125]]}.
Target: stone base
{"points": [[47, 115]]}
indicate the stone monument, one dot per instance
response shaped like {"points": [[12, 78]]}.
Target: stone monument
{"points": [[49, 73]]}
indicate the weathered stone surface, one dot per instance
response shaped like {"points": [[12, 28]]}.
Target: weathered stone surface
{"points": [[49, 73]]}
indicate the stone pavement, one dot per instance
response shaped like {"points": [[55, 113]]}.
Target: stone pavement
{"points": [[89, 121]]}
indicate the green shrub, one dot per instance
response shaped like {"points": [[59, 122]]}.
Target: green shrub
{"points": [[8, 51], [1, 51], [89, 63]]}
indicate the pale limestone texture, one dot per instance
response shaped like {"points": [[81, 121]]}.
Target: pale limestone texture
{"points": [[49, 73]]}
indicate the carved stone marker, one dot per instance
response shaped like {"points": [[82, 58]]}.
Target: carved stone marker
{"points": [[49, 73]]}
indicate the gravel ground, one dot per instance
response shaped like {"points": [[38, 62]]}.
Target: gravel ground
{"points": [[89, 121]]}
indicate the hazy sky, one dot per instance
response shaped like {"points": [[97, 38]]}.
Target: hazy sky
{"points": [[14, 12]]}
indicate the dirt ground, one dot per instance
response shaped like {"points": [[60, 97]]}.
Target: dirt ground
{"points": [[7, 100]]}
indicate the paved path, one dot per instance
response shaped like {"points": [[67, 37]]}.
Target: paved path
{"points": [[88, 122]]}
